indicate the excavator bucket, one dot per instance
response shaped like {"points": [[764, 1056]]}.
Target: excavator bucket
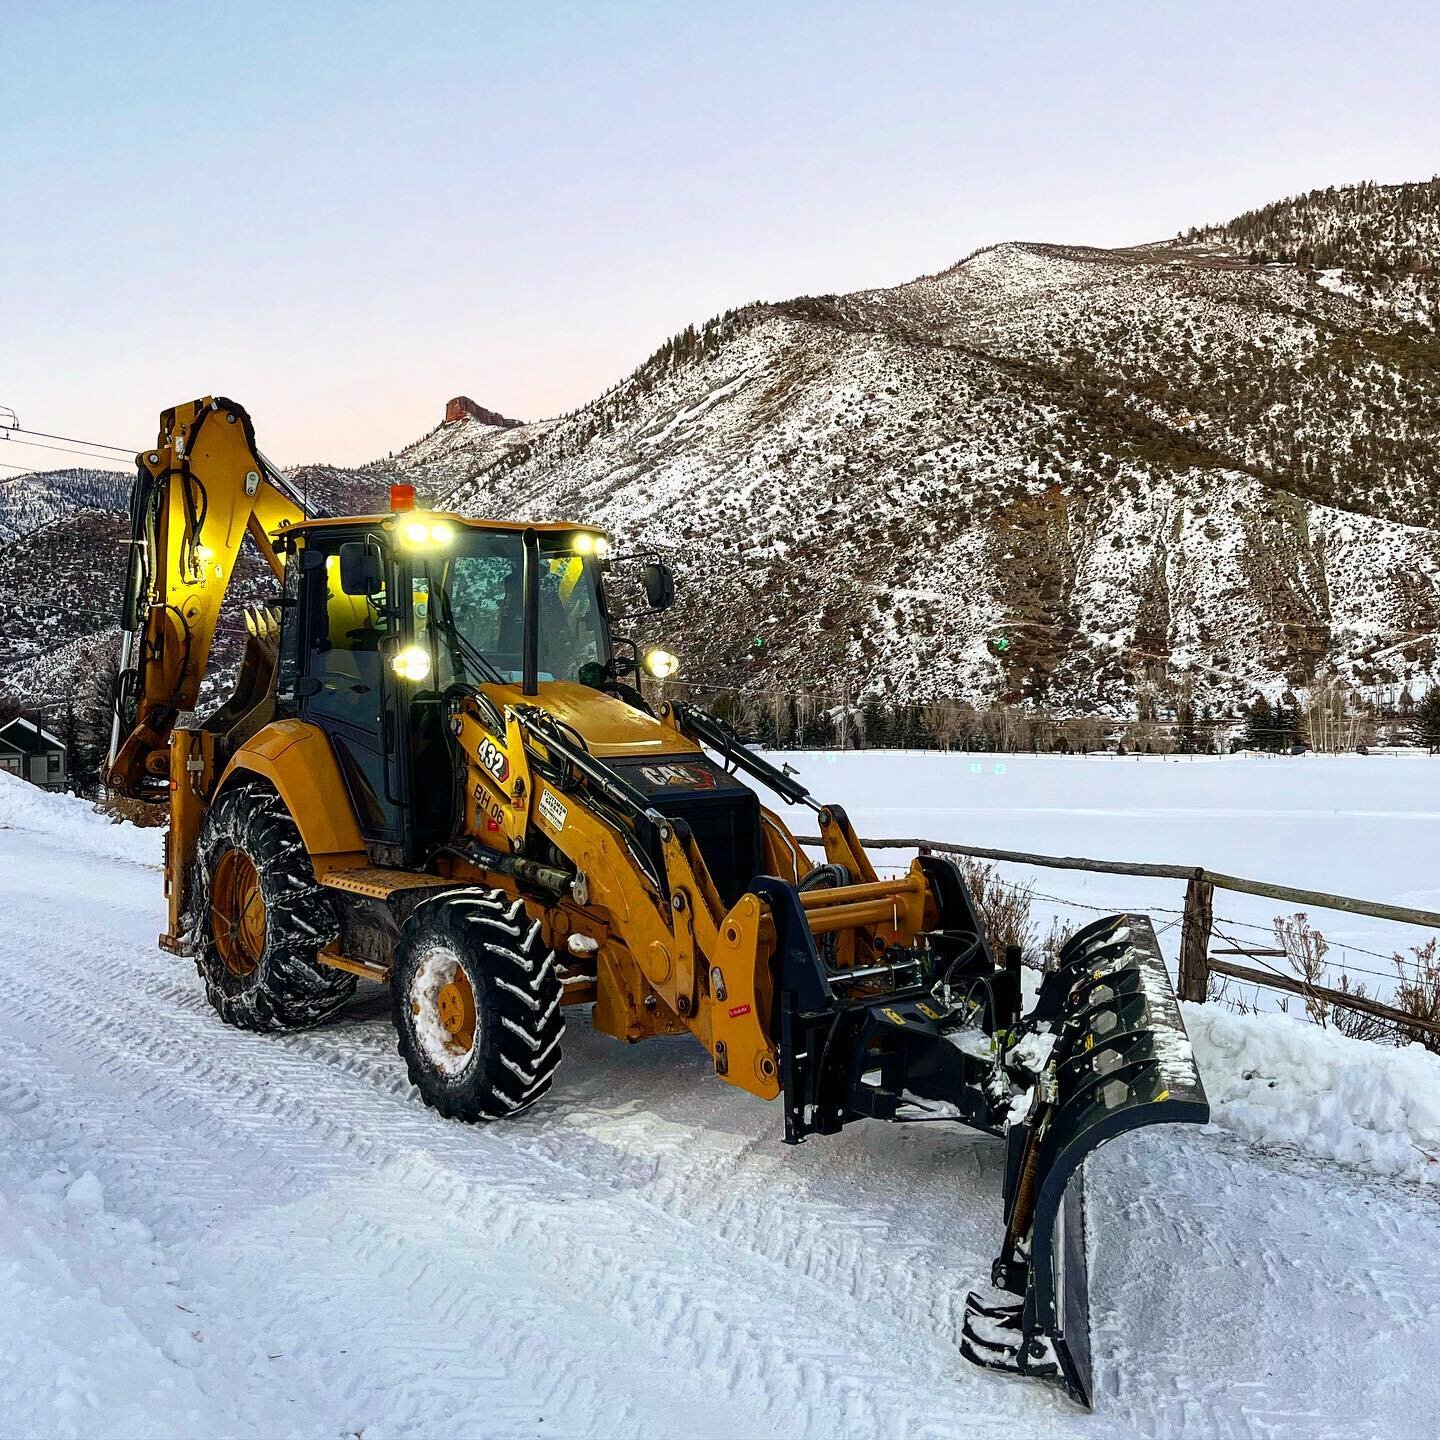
{"points": [[1103, 1051]]}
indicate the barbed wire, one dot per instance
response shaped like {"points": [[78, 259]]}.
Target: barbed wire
{"points": [[1338, 967]]}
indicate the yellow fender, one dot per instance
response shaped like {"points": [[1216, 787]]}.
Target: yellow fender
{"points": [[297, 760]]}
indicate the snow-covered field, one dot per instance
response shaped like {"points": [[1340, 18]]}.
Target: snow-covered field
{"points": [[205, 1232], [1350, 825]]}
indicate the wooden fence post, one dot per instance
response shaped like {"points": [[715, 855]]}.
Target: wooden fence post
{"points": [[1195, 940]]}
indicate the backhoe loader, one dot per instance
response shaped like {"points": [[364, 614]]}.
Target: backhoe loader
{"points": [[437, 771]]}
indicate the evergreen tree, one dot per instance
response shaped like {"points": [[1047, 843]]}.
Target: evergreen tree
{"points": [[1187, 735], [1287, 721], [1427, 720], [875, 716], [1260, 726]]}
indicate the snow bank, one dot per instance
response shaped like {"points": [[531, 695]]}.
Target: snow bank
{"points": [[1275, 1078], [75, 823]]}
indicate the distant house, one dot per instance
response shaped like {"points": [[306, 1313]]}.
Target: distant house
{"points": [[33, 753]]}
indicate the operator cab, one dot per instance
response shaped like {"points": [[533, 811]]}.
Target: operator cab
{"points": [[388, 618]]}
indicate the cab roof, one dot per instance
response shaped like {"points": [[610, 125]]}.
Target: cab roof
{"points": [[469, 522]]}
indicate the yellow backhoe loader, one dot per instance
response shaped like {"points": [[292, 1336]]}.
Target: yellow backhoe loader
{"points": [[436, 771]]}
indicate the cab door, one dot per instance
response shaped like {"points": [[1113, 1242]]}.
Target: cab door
{"points": [[347, 687]]}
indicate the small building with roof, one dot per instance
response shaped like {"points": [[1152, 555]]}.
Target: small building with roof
{"points": [[29, 750]]}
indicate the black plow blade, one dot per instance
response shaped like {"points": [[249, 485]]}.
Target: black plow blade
{"points": [[994, 1333], [1110, 1054], [933, 1033]]}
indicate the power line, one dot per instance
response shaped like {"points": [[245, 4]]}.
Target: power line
{"points": [[59, 449], [129, 451]]}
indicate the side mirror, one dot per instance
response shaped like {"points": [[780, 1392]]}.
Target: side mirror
{"points": [[362, 571], [659, 583]]}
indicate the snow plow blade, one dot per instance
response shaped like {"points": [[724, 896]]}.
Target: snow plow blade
{"points": [[1103, 1051], [1120, 1060]]}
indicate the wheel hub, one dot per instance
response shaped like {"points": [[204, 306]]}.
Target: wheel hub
{"points": [[237, 913], [455, 1005], [442, 1002]]}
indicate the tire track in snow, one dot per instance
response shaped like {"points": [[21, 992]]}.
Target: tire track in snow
{"points": [[722, 1308], [789, 1290]]}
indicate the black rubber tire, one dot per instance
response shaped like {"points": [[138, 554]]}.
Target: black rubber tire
{"points": [[286, 990], [515, 987]]}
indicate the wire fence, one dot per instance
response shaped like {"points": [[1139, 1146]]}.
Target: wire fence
{"points": [[1402, 969]]}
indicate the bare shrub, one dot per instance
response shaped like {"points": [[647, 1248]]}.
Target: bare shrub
{"points": [[1418, 992], [1218, 992], [1305, 948], [1004, 908], [1356, 1023], [1055, 939]]}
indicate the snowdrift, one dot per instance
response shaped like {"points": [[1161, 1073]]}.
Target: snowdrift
{"points": [[1276, 1079], [76, 823]]}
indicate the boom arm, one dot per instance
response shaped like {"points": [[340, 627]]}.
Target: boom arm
{"points": [[197, 493]]}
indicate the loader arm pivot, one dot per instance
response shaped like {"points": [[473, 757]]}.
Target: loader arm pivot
{"points": [[198, 493]]}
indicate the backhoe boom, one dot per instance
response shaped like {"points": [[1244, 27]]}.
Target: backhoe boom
{"points": [[198, 493]]}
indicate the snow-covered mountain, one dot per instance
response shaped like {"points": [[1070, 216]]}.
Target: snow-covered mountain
{"points": [[1129, 465], [29, 501], [1047, 473]]}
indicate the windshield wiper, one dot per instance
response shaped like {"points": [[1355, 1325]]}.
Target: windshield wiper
{"points": [[461, 642]]}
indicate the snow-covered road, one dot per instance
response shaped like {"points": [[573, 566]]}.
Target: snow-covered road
{"points": [[207, 1232]]}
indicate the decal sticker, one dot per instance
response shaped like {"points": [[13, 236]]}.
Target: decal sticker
{"points": [[492, 757], [894, 1015], [924, 1009], [736, 1011], [552, 812]]}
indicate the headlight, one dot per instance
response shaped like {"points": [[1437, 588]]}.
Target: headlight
{"points": [[420, 532], [412, 663], [602, 547], [661, 663]]}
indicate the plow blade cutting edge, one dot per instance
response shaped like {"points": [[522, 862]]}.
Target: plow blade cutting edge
{"points": [[1102, 1052]]}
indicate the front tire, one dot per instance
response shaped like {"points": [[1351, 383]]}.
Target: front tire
{"points": [[476, 995], [262, 917]]}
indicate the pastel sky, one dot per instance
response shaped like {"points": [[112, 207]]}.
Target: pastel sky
{"points": [[341, 215]]}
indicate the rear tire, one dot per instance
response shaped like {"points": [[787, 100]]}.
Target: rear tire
{"points": [[261, 917], [476, 995]]}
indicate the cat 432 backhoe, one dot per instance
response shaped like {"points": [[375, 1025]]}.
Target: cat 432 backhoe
{"points": [[435, 772]]}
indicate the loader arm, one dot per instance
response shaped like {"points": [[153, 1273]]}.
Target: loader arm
{"points": [[198, 493]]}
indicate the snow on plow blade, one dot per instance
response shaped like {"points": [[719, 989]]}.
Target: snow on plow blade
{"points": [[1113, 1056], [1103, 1051]]}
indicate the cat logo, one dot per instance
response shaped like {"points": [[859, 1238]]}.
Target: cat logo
{"points": [[681, 775]]}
